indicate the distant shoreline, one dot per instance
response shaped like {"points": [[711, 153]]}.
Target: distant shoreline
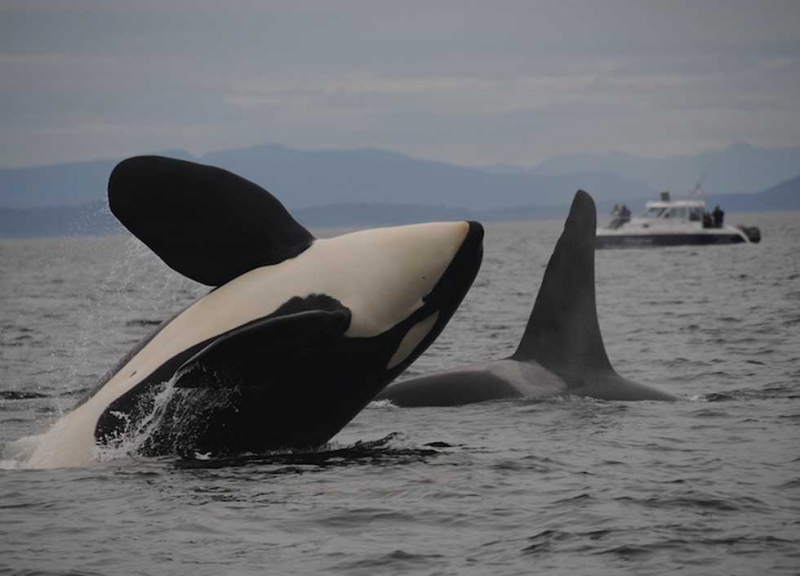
{"points": [[373, 187], [94, 219]]}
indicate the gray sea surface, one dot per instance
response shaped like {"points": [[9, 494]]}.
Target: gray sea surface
{"points": [[706, 485]]}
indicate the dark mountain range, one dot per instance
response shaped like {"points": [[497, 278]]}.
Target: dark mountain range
{"points": [[56, 185], [783, 196], [95, 218], [740, 168], [314, 178], [308, 178], [356, 188], [302, 178], [60, 185]]}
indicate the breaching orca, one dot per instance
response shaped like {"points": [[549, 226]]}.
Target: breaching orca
{"points": [[297, 336], [561, 351]]}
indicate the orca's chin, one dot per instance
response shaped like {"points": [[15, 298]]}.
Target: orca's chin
{"points": [[443, 300], [451, 288]]}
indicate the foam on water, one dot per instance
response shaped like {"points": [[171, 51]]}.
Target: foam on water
{"points": [[14, 454]]}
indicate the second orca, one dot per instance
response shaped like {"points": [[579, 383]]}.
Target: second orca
{"points": [[561, 351]]}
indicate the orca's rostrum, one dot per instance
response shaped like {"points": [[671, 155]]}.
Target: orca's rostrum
{"points": [[297, 336]]}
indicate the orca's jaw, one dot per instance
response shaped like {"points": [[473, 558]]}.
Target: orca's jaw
{"points": [[447, 295]]}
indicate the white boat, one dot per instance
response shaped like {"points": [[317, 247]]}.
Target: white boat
{"points": [[667, 222]]}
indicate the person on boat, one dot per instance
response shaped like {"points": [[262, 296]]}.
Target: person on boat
{"points": [[616, 222], [707, 223], [624, 213], [718, 215]]}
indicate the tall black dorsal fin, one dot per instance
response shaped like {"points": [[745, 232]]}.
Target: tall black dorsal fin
{"points": [[563, 333], [204, 222]]}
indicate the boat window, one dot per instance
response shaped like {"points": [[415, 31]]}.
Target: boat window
{"points": [[696, 214], [652, 213], [679, 213]]}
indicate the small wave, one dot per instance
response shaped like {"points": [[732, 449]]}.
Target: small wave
{"points": [[768, 392], [709, 413], [627, 543], [694, 500], [519, 466], [20, 395], [374, 452], [717, 397], [573, 499], [48, 410], [550, 540], [734, 545], [439, 444], [398, 560], [795, 295], [142, 322], [354, 517], [791, 322], [75, 392], [630, 551], [39, 572]]}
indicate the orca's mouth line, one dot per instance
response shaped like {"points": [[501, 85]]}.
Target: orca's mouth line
{"points": [[460, 273], [446, 296]]}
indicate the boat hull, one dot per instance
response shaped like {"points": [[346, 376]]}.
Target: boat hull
{"points": [[666, 239]]}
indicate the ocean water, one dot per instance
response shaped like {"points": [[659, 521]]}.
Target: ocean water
{"points": [[706, 485]]}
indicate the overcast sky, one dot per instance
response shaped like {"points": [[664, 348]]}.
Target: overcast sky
{"points": [[472, 83]]}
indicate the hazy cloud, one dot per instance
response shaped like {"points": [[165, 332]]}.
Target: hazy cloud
{"points": [[469, 82]]}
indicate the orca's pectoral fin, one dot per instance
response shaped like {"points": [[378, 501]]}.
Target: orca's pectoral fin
{"points": [[204, 222], [243, 356]]}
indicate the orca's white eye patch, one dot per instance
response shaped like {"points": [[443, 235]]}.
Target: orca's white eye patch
{"points": [[412, 339]]}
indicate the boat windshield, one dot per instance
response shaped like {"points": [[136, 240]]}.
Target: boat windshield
{"points": [[653, 212], [692, 213]]}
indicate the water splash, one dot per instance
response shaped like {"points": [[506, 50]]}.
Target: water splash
{"points": [[136, 432], [15, 454]]}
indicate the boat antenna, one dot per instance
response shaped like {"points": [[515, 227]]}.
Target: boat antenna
{"points": [[697, 191]]}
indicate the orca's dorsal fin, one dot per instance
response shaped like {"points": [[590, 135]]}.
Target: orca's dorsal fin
{"points": [[563, 333], [204, 222]]}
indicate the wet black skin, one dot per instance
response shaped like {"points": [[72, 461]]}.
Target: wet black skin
{"points": [[291, 380]]}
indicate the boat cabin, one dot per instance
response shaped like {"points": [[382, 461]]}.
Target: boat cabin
{"points": [[666, 213], [691, 210]]}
